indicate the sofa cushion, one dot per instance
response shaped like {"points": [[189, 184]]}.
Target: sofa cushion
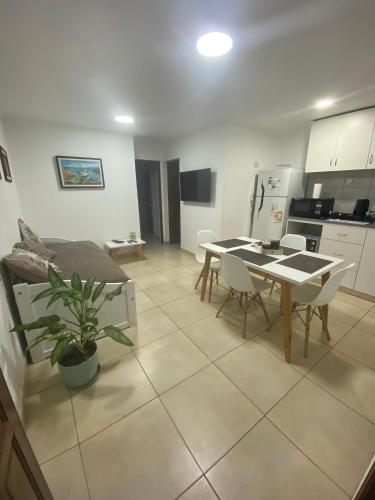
{"points": [[87, 259]]}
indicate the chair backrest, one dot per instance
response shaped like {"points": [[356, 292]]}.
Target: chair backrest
{"points": [[330, 287], [296, 241], [204, 236], [235, 273]]}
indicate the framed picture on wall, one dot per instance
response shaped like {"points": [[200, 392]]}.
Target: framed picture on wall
{"points": [[5, 165], [83, 173]]}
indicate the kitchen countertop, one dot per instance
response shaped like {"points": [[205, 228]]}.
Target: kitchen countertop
{"points": [[325, 221]]}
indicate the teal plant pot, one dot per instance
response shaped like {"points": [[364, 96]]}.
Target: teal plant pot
{"points": [[80, 375]]}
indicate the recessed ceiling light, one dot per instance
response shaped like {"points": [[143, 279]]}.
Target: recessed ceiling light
{"points": [[214, 44], [324, 103], [124, 119]]}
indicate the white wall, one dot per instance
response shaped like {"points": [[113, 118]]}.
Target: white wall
{"points": [[204, 149], [294, 146], [93, 214], [234, 153], [149, 148], [248, 151], [12, 361]]}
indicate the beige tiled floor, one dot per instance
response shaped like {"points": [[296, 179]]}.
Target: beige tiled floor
{"points": [[196, 412]]}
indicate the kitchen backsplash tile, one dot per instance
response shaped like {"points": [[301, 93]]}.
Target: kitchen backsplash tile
{"points": [[345, 187]]}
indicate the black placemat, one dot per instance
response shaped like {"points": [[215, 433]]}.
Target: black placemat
{"points": [[289, 251], [305, 263], [253, 257], [234, 242]]}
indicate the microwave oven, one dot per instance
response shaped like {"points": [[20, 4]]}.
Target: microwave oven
{"points": [[315, 208]]}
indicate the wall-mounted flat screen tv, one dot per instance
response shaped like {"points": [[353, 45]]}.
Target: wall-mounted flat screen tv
{"points": [[195, 185]]}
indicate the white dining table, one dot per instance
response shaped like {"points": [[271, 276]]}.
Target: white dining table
{"points": [[287, 277]]}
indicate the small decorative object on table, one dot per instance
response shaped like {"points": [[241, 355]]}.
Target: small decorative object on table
{"points": [[75, 350], [271, 248]]}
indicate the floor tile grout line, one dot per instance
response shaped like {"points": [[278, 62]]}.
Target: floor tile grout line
{"points": [[283, 358], [118, 420], [134, 349], [168, 280], [354, 359], [307, 457], [44, 389], [341, 401], [171, 419], [212, 486], [178, 383], [221, 355], [235, 444], [195, 482], [188, 488], [58, 455], [79, 447]]}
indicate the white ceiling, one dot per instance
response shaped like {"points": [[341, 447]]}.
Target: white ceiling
{"points": [[83, 61]]}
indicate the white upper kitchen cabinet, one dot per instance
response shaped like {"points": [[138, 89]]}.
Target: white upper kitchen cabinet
{"points": [[353, 145], [342, 143], [322, 144]]}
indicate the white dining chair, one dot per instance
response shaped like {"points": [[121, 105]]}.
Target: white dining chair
{"points": [[242, 286], [296, 241], [206, 236], [312, 298]]}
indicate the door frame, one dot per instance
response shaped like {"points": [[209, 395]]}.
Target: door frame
{"points": [[158, 171], [170, 208], [14, 443]]}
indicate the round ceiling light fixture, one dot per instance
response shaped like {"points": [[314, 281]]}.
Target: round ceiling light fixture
{"points": [[324, 103], [124, 119], [214, 44]]}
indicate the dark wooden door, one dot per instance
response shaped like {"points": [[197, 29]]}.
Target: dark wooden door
{"points": [[149, 202], [173, 175], [20, 474]]}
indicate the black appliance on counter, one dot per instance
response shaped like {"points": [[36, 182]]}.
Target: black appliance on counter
{"points": [[312, 208], [359, 214], [361, 207]]}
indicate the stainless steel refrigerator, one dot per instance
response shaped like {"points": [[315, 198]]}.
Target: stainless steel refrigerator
{"points": [[273, 192]]}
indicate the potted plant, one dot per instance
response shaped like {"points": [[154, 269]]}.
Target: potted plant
{"points": [[75, 350]]}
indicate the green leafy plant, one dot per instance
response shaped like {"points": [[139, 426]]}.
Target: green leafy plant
{"points": [[82, 329]]}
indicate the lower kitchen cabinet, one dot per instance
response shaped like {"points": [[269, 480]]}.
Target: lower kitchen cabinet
{"points": [[365, 281]]}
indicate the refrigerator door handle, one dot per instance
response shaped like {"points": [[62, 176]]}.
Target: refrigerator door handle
{"points": [[261, 200]]}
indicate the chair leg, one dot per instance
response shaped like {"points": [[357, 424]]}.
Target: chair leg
{"points": [[217, 277], [307, 330], [245, 315], [324, 323], [263, 307], [197, 283], [229, 294], [272, 287], [211, 280]]}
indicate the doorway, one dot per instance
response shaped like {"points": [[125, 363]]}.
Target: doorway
{"points": [[149, 199], [173, 177]]}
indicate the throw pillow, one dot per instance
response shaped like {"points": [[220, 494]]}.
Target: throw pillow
{"points": [[28, 266], [36, 247], [27, 233]]}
